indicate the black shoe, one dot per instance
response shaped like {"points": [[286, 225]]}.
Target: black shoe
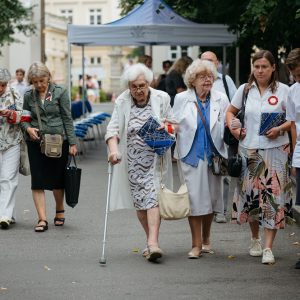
{"points": [[297, 266]]}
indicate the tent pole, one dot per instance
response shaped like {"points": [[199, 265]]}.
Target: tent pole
{"points": [[83, 82], [237, 66], [69, 71], [224, 61]]}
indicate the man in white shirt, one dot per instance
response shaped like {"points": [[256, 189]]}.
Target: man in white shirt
{"points": [[293, 115], [19, 84], [223, 84]]}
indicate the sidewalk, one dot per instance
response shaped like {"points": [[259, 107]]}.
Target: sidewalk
{"points": [[63, 263]]}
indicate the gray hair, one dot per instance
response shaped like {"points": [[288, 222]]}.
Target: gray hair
{"points": [[37, 69], [198, 66], [134, 71], [4, 75]]}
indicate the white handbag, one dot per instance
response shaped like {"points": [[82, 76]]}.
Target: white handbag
{"points": [[174, 206]]}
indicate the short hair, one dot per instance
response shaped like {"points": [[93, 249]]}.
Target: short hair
{"points": [[4, 75], [144, 58], [21, 71], [293, 59], [167, 62], [270, 58], [38, 69], [198, 66], [134, 71]]}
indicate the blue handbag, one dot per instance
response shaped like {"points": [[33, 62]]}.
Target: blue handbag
{"points": [[158, 140]]}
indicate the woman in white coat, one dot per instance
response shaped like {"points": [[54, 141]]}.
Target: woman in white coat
{"points": [[136, 176], [195, 151]]}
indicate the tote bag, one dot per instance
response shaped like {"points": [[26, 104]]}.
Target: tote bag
{"points": [[72, 183]]}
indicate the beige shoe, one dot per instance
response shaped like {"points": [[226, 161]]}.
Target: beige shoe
{"points": [[255, 248], [268, 257], [195, 253], [207, 249], [154, 252]]}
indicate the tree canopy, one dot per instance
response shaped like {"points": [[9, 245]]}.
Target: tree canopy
{"points": [[267, 24], [14, 18]]}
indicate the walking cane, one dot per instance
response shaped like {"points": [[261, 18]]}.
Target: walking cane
{"points": [[110, 169]]}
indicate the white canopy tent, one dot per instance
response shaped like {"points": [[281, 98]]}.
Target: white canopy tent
{"points": [[151, 23]]}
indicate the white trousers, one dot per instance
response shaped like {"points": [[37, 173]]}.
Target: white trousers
{"points": [[9, 174]]}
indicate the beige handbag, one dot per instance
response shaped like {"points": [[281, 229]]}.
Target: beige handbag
{"points": [[51, 145], [24, 167], [173, 206]]}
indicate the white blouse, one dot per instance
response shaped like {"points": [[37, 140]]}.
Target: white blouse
{"points": [[256, 105]]}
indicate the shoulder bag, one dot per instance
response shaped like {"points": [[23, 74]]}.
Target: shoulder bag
{"points": [[51, 144], [235, 161], [173, 206], [219, 163]]}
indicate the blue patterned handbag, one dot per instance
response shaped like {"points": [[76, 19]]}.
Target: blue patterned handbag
{"points": [[158, 140]]}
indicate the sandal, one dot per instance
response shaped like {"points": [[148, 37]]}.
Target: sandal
{"points": [[59, 221], [41, 227], [154, 253]]}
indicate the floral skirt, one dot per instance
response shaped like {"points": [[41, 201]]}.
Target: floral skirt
{"points": [[264, 191]]}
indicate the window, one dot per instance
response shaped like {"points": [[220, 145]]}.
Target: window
{"points": [[95, 61], [95, 16], [67, 13], [178, 51]]}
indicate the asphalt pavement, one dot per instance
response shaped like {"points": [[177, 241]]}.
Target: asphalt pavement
{"points": [[63, 263]]}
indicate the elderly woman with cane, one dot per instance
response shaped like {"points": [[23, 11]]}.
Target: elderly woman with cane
{"points": [[136, 176], [200, 112]]}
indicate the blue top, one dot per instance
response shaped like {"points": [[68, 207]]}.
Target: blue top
{"points": [[201, 145]]}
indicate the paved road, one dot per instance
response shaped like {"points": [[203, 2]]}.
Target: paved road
{"points": [[63, 263]]}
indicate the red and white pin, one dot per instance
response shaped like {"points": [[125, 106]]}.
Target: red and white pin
{"points": [[273, 100]]}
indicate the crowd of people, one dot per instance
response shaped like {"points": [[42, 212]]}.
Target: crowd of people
{"points": [[192, 101]]}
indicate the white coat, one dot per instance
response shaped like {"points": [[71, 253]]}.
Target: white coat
{"points": [[186, 113], [120, 190]]}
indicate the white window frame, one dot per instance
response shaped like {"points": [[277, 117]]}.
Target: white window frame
{"points": [[95, 16], [67, 13]]}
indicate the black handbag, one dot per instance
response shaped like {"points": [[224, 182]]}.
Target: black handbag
{"points": [[235, 161], [72, 182], [229, 138]]}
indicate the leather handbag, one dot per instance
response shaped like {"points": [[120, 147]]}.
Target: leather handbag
{"points": [[235, 161], [219, 163], [51, 144], [173, 206], [24, 167]]}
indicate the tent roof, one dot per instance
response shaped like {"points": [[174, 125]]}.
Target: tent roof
{"points": [[152, 12], [152, 23]]}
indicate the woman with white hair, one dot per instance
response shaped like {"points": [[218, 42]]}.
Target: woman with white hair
{"points": [[10, 137], [200, 112], [137, 175]]}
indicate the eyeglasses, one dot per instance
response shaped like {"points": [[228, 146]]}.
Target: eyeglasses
{"points": [[204, 77], [135, 88]]}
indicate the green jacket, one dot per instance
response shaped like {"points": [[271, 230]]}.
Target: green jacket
{"points": [[55, 112]]}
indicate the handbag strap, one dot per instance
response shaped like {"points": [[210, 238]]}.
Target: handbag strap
{"points": [[37, 111], [243, 109], [70, 157], [205, 127]]}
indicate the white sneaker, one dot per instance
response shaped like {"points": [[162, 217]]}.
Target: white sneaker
{"points": [[220, 218], [268, 257], [255, 248]]}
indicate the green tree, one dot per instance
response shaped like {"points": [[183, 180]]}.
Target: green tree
{"points": [[268, 24], [14, 18]]}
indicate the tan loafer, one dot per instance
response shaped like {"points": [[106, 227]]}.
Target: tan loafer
{"points": [[154, 253], [195, 253]]}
